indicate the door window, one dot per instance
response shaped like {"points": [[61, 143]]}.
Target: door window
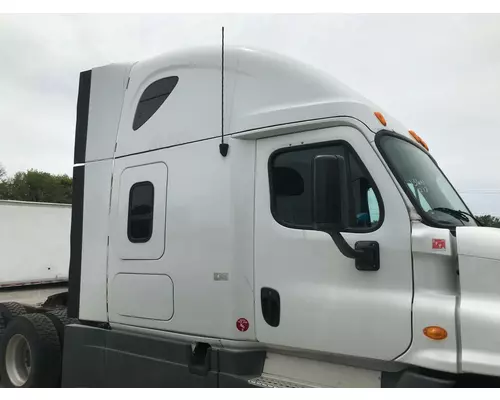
{"points": [[373, 207], [140, 214], [291, 187]]}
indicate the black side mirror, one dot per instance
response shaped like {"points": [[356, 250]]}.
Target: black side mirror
{"points": [[330, 210], [330, 191]]}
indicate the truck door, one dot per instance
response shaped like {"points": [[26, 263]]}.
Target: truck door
{"points": [[140, 291], [308, 294]]}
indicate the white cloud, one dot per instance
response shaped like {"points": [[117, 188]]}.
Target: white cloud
{"points": [[436, 73]]}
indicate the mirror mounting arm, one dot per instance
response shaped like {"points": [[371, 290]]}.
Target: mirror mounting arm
{"points": [[330, 205], [342, 245], [366, 253]]}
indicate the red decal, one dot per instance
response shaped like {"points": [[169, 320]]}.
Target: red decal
{"points": [[242, 324], [438, 244]]}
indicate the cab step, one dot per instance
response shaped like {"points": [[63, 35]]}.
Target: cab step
{"points": [[272, 381]]}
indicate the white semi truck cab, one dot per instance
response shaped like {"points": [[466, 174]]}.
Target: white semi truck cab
{"points": [[267, 227]]}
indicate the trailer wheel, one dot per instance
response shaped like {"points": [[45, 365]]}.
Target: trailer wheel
{"points": [[30, 353], [9, 311]]}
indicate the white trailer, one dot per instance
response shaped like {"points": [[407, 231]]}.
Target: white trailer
{"points": [[34, 243], [316, 244], [34, 250]]}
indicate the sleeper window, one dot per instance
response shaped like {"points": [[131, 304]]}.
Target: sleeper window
{"points": [[291, 188], [140, 214], [152, 98]]}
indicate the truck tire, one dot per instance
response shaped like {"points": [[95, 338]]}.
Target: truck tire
{"points": [[30, 353], [9, 311], [62, 314], [12, 309], [59, 317]]}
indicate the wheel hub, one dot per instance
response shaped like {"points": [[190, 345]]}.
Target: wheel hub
{"points": [[18, 360]]}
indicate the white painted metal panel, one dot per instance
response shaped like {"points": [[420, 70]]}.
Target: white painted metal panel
{"points": [[106, 99], [435, 300], [261, 89], [326, 303], [479, 265], [153, 249], [93, 296], [479, 242], [34, 242], [132, 291], [209, 231]]}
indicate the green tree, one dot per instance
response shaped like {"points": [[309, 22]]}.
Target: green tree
{"points": [[34, 185], [3, 173], [489, 220]]}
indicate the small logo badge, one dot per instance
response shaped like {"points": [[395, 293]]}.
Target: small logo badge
{"points": [[242, 324], [221, 276], [438, 244]]}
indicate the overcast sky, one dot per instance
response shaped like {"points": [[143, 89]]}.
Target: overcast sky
{"points": [[438, 74]]}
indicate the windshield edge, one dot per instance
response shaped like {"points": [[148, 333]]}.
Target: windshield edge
{"points": [[418, 207]]}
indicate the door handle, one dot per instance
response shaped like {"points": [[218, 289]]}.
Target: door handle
{"points": [[369, 256], [271, 306]]}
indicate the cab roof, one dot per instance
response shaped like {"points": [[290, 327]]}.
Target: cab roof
{"points": [[261, 89]]}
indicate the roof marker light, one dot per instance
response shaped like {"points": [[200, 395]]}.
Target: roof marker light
{"points": [[381, 118], [419, 139]]}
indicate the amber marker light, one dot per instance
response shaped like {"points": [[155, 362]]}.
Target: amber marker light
{"points": [[419, 139], [435, 333], [381, 118]]}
